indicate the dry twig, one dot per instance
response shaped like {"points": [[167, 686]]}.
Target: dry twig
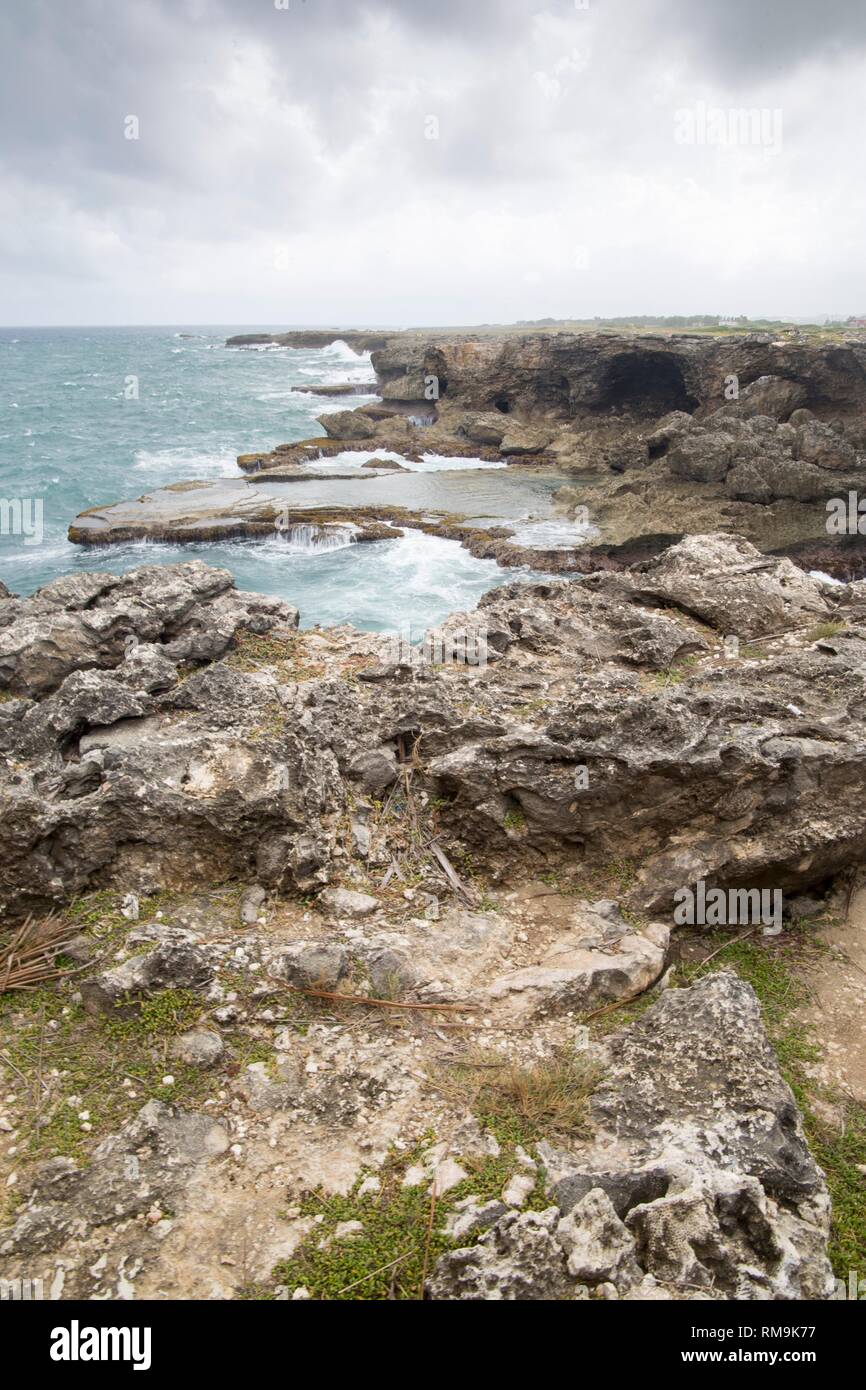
{"points": [[335, 997], [460, 888]]}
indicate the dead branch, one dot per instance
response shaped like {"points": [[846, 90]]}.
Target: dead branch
{"points": [[28, 956], [334, 996]]}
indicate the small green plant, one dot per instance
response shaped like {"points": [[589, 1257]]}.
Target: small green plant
{"points": [[165, 1014], [674, 675], [88, 1074], [841, 1152], [401, 1230], [250, 652]]}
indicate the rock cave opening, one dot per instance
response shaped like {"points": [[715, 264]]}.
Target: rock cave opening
{"points": [[645, 383]]}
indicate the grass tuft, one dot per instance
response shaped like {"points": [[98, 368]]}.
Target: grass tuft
{"points": [[822, 630], [522, 1104]]}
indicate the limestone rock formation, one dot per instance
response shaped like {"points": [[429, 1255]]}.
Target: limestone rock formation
{"points": [[567, 375], [696, 1180], [699, 713], [122, 767]]}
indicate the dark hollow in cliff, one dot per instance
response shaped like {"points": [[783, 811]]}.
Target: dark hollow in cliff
{"points": [[644, 383]]}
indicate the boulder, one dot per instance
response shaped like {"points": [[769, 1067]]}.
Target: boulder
{"points": [[599, 1249], [347, 424], [118, 991], [252, 902], [525, 439], [345, 902], [311, 964], [191, 610], [198, 1048], [729, 584], [701, 456], [773, 396], [519, 1258], [375, 770], [824, 447], [486, 427], [598, 960], [694, 1180]]}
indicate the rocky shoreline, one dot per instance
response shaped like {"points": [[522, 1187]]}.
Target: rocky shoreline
{"points": [[318, 886], [371, 978], [656, 438], [311, 338]]}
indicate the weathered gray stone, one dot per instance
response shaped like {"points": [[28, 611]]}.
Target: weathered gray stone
{"points": [[694, 1176], [345, 902], [598, 1247], [311, 964], [168, 967], [252, 902], [597, 961], [728, 583], [198, 1048], [149, 1160], [347, 424], [518, 1258], [375, 770], [190, 608]]}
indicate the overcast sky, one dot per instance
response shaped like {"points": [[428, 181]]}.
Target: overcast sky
{"points": [[284, 170]]}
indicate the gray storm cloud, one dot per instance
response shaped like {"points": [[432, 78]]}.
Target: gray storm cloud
{"points": [[398, 161]]}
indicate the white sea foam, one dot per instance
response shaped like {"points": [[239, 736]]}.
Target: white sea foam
{"points": [[183, 463], [409, 583], [258, 347], [342, 350], [303, 539], [347, 365], [553, 535], [428, 463]]}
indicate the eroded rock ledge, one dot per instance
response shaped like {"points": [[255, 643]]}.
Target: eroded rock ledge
{"points": [[685, 1186], [134, 749]]}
